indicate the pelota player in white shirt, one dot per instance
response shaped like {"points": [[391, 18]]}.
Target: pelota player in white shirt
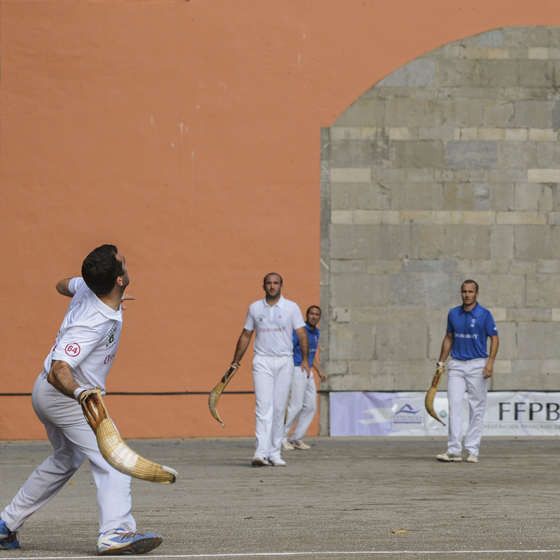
{"points": [[80, 359], [273, 319]]}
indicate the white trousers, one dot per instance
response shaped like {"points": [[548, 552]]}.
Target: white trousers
{"points": [[272, 376], [72, 440], [302, 404], [466, 376]]}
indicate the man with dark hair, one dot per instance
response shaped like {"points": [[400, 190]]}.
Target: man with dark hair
{"points": [[101, 268], [80, 359], [468, 328], [273, 318], [303, 392]]}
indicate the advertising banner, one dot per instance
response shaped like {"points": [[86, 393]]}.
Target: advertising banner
{"points": [[508, 413]]}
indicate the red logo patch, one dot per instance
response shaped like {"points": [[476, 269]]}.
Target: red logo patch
{"points": [[73, 349]]}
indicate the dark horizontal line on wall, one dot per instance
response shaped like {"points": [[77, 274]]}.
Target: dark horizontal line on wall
{"points": [[183, 393], [159, 394], [322, 391]]}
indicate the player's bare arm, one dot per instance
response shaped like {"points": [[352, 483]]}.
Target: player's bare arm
{"points": [[242, 345], [62, 287], [315, 365], [446, 346], [489, 368], [61, 378], [304, 345]]}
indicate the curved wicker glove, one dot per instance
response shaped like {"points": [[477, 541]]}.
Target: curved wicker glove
{"points": [[218, 390], [113, 448], [430, 395]]}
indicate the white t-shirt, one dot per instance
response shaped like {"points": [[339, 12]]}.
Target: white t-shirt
{"points": [[273, 326], [88, 338]]}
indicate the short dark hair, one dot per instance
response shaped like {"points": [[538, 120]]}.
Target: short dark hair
{"points": [[313, 307], [101, 268], [275, 274], [470, 282]]}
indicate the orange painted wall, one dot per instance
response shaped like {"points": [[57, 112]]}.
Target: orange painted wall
{"points": [[187, 133]]}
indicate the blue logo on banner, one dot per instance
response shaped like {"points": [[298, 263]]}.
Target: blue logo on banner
{"points": [[407, 409], [407, 415]]}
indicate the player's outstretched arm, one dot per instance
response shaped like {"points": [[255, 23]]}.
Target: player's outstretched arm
{"points": [[304, 345], [126, 297], [63, 289], [242, 345], [61, 378]]}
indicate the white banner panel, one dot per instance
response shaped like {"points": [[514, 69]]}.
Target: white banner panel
{"points": [[508, 413]]}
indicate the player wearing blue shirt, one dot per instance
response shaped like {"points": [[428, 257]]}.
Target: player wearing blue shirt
{"points": [[468, 328], [303, 393]]}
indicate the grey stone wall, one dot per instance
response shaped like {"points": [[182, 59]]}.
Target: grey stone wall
{"points": [[447, 169]]}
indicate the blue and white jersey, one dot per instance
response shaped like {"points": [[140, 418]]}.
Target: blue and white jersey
{"points": [[470, 332], [313, 337]]}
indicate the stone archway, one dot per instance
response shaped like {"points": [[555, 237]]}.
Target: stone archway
{"points": [[446, 169]]}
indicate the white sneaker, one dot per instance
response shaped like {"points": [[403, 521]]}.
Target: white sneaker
{"points": [[127, 542], [472, 458], [286, 446], [298, 444], [259, 462], [449, 457], [277, 462]]}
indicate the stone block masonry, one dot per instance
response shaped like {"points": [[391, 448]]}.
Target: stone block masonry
{"points": [[446, 169]]}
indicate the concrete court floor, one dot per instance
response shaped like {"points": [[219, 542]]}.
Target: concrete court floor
{"points": [[341, 499]]}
